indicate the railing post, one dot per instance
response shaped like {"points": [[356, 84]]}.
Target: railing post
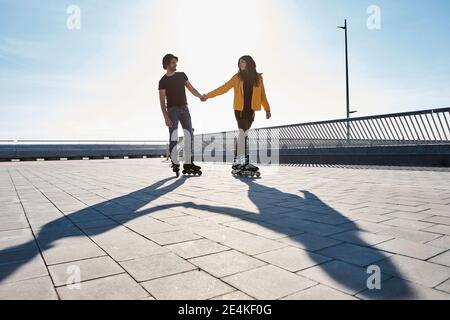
{"points": [[224, 147], [203, 150]]}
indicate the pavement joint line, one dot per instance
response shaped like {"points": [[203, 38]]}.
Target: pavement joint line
{"points": [[34, 235]]}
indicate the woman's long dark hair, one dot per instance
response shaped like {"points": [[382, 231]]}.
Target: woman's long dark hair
{"points": [[249, 74]]}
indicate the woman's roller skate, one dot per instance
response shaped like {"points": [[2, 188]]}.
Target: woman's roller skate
{"points": [[192, 169], [243, 168]]}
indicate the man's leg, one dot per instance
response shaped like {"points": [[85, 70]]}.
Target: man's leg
{"points": [[173, 135], [186, 124]]}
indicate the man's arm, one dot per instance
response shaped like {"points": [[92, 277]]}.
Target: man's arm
{"points": [[193, 90], [162, 101]]}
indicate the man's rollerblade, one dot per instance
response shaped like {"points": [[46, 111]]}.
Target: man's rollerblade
{"points": [[192, 169], [175, 168]]}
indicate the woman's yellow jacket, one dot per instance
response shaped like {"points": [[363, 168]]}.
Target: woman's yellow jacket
{"points": [[259, 97]]}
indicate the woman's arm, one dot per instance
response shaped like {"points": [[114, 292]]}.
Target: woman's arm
{"points": [[264, 101], [222, 89]]}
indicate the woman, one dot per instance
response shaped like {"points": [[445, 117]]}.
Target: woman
{"points": [[249, 96]]}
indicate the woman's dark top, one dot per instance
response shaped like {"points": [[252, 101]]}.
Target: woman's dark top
{"points": [[248, 112]]}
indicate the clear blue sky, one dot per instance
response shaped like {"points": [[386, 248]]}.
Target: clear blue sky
{"points": [[87, 84]]}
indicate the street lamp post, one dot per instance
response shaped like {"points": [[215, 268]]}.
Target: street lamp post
{"points": [[347, 79]]}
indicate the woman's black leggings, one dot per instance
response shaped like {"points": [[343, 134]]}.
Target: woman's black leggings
{"points": [[244, 124]]}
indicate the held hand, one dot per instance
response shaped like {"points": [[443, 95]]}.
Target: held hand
{"points": [[204, 98], [169, 123], [268, 115]]}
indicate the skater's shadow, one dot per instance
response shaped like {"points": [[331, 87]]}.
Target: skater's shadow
{"points": [[14, 257], [302, 222], [310, 224]]}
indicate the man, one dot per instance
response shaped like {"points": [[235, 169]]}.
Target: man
{"points": [[174, 106]]}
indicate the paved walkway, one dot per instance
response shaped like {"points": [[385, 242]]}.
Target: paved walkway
{"points": [[129, 230]]}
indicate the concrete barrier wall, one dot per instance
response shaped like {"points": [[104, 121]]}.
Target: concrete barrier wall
{"points": [[420, 155], [78, 151]]}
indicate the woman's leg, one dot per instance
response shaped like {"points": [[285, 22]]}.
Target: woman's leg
{"points": [[244, 125]]}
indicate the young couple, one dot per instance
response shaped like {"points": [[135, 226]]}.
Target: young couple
{"points": [[249, 96]]}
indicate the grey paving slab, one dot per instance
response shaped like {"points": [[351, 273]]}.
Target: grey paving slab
{"points": [[254, 245], [409, 248], [320, 292], [88, 269], [440, 229], [443, 258], [409, 224], [226, 263], [236, 295], [32, 267], [156, 266], [410, 235], [69, 249], [98, 223], [32, 289], [339, 275], [372, 217], [193, 285], [292, 259], [362, 238], [176, 221], [268, 282], [23, 253], [442, 242], [118, 287], [422, 272], [366, 226], [309, 242], [438, 220], [202, 226], [445, 286], [144, 225], [416, 216], [361, 256], [224, 234], [397, 289], [128, 246], [173, 237], [196, 248]]}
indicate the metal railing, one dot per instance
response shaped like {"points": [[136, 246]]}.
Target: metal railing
{"points": [[408, 128]]}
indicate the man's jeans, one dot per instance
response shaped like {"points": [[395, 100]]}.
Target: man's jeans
{"points": [[182, 115]]}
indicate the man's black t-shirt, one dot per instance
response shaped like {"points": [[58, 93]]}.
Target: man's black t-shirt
{"points": [[175, 89]]}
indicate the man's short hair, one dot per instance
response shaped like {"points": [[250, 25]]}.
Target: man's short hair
{"points": [[168, 59]]}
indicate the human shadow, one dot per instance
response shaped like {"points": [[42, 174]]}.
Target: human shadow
{"points": [[66, 226], [312, 225], [306, 222]]}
